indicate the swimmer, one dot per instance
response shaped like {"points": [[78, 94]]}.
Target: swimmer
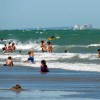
{"points": [[20, 52], [13, 47], [9, 47], [4, 49], [52, 37], [9, 62], [43, 46], [49, 47], [65, 51], [99, 53], [43, 67], [1, 40], [31, 56], [17, 88]]}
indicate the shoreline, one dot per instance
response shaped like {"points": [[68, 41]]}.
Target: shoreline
{"points": [[58, 82]]}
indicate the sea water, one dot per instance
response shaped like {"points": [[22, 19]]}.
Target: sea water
{"points": [[73, 75], [82, 47]]}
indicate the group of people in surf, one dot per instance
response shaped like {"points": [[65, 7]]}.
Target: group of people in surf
{"points": [[43, 66], [9, 47], [46, 47]]}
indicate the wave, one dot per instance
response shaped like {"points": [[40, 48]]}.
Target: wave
{"points": [[35, 45], [54, 56], [53, 61], [65, 66], [94, 45]]}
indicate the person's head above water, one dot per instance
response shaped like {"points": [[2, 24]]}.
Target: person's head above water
{"points": [[18, 86], [65, 51], [20, 51], [9, 43], [43, 62], [10, 58], [1, 39], [52, 37], [44, 67], [42, 41], [29, 52], [98, 50], [13, 44], [48, 43]]}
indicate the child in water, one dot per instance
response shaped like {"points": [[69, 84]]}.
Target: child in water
{"points": [[31, 56], [43, 67]]}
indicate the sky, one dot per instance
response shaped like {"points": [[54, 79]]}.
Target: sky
{"points": [[48, 13]]}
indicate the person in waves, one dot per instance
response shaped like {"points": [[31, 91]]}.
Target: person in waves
{"points": [[9, 62], [13, 47], [43, 67], [31, 56], [99, 53], [9, 47], [43, 46], [49, 49], [65, 51], [16, 88], [4, 49]]}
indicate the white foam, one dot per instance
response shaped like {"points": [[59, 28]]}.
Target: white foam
{"points": [[53, 62], [93, 45], [55, 56], [65, 66], [36, 46]]}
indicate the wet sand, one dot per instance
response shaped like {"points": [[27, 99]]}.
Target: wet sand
{"points": [[57, 84]]}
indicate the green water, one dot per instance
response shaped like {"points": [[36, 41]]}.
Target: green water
{"points": [[67, 38]]}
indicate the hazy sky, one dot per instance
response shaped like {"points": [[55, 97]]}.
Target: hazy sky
{"points": [[48, 13]]}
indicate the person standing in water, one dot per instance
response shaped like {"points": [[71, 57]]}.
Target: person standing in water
{"points": [[43, 67], [9, 47], [49, 49], [13, 47], [43, 46], [31, 56]]}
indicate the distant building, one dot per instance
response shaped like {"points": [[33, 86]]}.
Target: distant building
{"points": [[77, 27], [83, 27]]}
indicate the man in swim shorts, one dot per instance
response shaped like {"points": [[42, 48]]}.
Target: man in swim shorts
{"points": [[43, 46], [31, 56]]}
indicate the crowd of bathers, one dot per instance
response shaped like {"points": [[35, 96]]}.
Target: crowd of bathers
{"points": [[45, 47], [9, 47]]}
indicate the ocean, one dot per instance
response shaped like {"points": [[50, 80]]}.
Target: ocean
{"points": [[73, 75]]}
